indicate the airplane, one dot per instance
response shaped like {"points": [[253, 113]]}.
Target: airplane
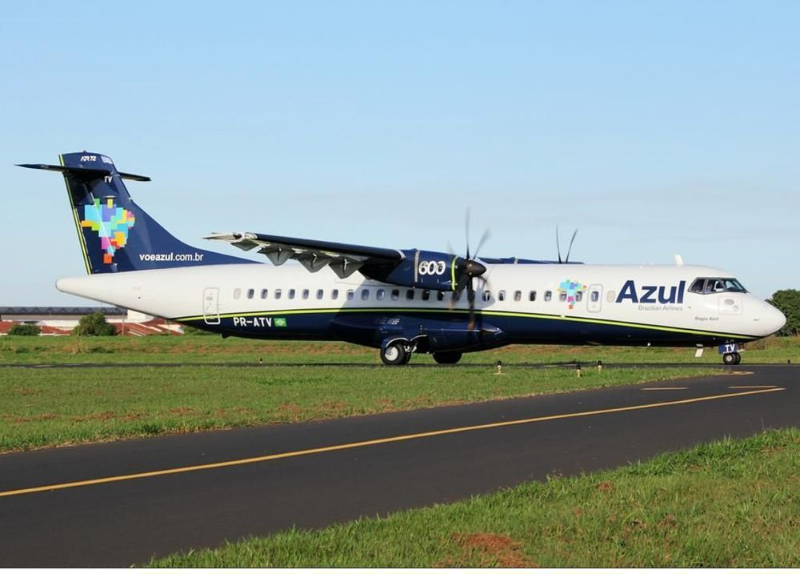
{"points": [[400, 301]]}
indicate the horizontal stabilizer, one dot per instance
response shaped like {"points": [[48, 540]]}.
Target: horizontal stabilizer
{"points": [[83, 171]]}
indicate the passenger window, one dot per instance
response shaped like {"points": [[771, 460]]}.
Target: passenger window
{"points": [[237, 293], [364, 294], [410, 294], [531, 295], [335, 294], [595, 296], [501, 295], [457, 295], [487, 295], [263, 293], [291, 293], [562, 296], [426, 294], [381, 294], [278, 293], [548, 295], [251, 293], [395, 294], [305, 293], [517, 295], [320, 293], [350, 295], [578, 296], [440, 295]]}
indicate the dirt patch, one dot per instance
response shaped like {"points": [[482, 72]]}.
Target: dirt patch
{"points": [[182, 411], [605, 487], [491, 550], [335, 408], [292, 410], [104, 416], [37, 418]]}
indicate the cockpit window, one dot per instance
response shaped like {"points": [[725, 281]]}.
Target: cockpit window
{"points": [[734, 286], [708, 285], [697, 286]]}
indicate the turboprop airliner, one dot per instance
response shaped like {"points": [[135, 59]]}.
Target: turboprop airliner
{"points": [[400, 301]]}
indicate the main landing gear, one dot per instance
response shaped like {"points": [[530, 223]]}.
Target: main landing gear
{"points": [[731, 358], [399, 353], [396, 353], [447, 357]]}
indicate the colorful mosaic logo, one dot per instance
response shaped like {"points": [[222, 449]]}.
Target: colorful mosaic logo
{"points": [[112, 224], [571, 288]]}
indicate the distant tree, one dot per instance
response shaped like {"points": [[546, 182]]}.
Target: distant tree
{"points": [[25, 329], [94, 325], [788, 302]]}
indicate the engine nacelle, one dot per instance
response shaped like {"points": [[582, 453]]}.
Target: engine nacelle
{"points": [[422, 269]]}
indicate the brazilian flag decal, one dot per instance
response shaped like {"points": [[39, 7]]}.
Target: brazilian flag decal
{"points": [[280, 321]]}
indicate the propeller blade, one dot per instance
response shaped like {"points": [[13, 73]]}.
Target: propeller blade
{"points": [[484, 238], [571, 241], [558, 245], [471, 300], [466, 229]]}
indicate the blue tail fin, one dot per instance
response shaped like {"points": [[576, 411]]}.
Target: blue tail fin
{"points": [[115, 233]]}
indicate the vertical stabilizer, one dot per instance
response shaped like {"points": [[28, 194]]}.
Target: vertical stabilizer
{"points": [[116, 234]]}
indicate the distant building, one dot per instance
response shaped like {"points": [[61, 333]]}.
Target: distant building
{"points": [[62, 320]]}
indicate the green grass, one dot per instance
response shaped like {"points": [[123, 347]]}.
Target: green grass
{"points": [[213, 349], [58, 406], [725, 504]]}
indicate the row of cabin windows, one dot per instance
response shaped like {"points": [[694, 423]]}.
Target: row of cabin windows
{"points": [[394, 295]]}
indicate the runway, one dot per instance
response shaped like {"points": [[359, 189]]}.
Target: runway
{"points": [[121, 503]]}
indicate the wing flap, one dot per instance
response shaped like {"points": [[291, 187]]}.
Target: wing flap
{"points": [[343, 259]]}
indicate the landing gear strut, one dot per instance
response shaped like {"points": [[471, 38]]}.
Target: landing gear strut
{"points": [[395, 353], [731, 358]]}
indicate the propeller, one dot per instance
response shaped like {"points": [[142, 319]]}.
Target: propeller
{"points": [[468, 268], [569, 249]]}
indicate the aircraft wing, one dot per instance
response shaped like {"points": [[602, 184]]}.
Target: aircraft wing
{"points": [[344, 259]]}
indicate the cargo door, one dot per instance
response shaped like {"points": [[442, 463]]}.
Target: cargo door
{"points": [[211, 305]]}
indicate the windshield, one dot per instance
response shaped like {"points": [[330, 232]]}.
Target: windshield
{"points": [[734, 286], [708, 285]]}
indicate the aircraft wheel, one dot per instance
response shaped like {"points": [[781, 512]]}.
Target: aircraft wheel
{"points": [[395, 354], [730, 358], [447, 357], [738, 358]]}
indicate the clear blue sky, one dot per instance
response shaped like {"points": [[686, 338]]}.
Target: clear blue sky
{"points": [[655, 127]]}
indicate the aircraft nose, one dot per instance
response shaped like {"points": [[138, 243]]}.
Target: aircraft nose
{"points": [[773, 320]]}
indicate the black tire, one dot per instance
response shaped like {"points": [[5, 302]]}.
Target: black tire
{"points": [[447, 357], [729, 358], [738, 358], [395, 354]]}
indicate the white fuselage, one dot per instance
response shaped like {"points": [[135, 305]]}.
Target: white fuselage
{"points": [[659, 296]]}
